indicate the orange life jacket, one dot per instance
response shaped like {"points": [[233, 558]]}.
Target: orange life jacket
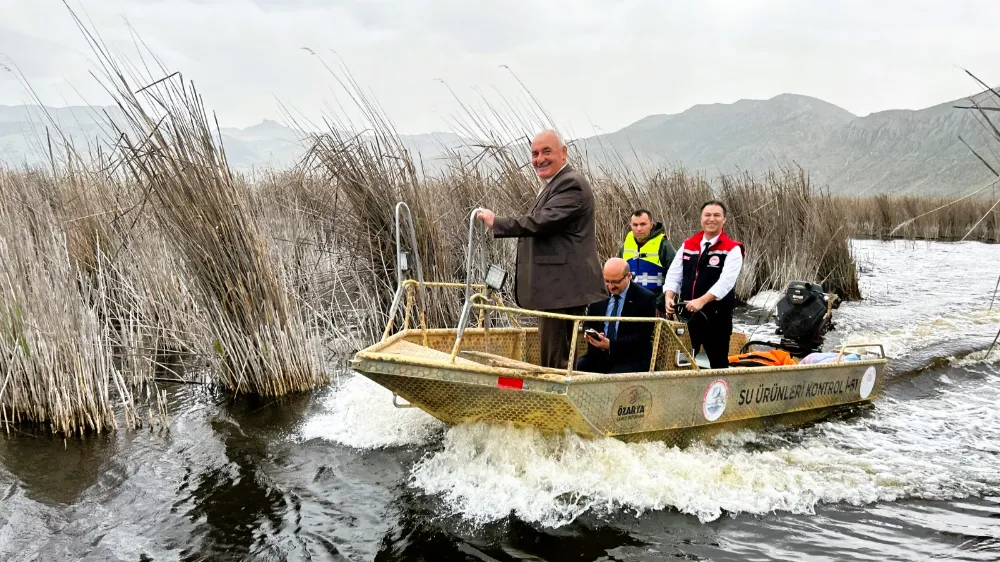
{"points": [[770, 358]]}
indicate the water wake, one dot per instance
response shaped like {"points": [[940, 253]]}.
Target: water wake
{"points": [[942, 445], [938, 448], [360, 414]]}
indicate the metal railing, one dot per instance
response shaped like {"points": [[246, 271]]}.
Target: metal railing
{"points": [[661, 325], [406, 287], [881, 350], [487, 299]]}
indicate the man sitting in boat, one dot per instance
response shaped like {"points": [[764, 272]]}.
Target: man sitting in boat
{"points": [[619, 347], [704, 274]]}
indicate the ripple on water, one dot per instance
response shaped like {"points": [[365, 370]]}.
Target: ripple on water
{"points": [[936, 448]]}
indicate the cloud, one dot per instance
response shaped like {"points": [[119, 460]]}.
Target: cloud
{"points": [[591, 63]]}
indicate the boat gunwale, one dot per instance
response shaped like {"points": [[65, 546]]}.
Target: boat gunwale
{"points": [[728, 371], [373, 353]]}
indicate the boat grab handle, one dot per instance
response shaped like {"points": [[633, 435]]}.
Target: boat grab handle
{"points": [[395, 402], [417, 262], [468, 255], [881, 350], [467, 305], [681, 360]]}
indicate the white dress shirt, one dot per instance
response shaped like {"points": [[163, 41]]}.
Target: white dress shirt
{"points": [[546, 182], [727, 280]]}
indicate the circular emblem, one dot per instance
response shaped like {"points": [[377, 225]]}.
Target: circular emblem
{"points": [[631, 407], [714, 260], [713, 404], [868, 382]]}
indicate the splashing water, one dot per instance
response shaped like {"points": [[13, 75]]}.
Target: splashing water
{"points": [[360, 414], [941, 445], [920, 449]]}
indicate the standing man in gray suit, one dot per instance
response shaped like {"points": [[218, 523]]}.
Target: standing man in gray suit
{"points": [[558, 269]]}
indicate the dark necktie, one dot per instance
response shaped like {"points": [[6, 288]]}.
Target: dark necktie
{"points": [[704, 252], [613, 325]]}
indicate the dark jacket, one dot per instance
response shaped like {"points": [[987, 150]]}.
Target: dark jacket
{"points": [[702, 270], [557, 262], [632, 348]]}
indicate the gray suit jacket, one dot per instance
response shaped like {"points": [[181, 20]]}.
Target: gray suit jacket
{"points": [[557, 261]]}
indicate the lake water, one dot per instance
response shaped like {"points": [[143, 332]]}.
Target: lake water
{"points": [[342, 475]]}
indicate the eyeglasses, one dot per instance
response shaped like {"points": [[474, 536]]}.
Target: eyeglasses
{"points": [[606, 282]]}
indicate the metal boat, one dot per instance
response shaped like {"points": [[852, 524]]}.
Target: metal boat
{"points": [[489, 372]]}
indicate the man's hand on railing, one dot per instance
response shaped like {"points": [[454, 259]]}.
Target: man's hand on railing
{"points": [[487, 217]]}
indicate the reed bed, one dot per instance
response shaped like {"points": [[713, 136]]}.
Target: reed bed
{"points": [[263, 341], [266, 282], [924, 218], [57, 356]]}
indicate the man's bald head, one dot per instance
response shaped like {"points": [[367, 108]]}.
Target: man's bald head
{"points": [[617, 275], [548, 153], [616, 266], [550, 135]]}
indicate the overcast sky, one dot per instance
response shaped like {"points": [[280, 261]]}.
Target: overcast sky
{"points": [[595, 65]]}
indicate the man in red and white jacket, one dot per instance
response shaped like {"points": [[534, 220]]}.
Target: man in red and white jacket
{"points": [[704, 273]]}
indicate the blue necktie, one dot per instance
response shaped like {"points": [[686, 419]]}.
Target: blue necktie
{"points": [[613, 326]]}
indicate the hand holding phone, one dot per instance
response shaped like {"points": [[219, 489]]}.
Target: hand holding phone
{"points": [[593, 333]]}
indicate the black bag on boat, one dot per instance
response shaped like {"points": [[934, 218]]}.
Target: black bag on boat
{"points": [[802, 313]]}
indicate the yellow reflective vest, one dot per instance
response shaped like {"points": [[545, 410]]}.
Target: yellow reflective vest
{"points": [[644, 262]]}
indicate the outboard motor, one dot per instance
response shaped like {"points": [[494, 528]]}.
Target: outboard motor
{"points": [[804, 317]]}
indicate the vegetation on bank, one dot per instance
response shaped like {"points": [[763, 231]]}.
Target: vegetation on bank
{"points": [[262, 283], [265, 283]]}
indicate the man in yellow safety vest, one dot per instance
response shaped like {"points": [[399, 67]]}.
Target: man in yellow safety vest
{"points": [[648, 252]]}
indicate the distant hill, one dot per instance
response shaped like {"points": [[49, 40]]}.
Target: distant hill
{"points": [[894, 151], [268, 144], [748, 134]]}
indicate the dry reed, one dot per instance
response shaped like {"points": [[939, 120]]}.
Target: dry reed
{"points": [[164, 249], [57, 360], [264, 342]]}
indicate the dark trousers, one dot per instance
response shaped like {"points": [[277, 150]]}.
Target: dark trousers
{"points": [[597, 361], [554, 337], [712, 333]]}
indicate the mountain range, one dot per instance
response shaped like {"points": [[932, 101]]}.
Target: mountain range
{"points": [[892, 152]]}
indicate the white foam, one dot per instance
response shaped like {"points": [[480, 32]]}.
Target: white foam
{"points": [[983, 356], [360, 414], [938, 448]]}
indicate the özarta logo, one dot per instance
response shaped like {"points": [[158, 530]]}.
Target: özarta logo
{"points": [[631, 407]]}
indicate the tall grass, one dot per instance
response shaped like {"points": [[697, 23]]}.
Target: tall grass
{"points": [[263, 341], [56, 355], [924, 218], [265, 281]]}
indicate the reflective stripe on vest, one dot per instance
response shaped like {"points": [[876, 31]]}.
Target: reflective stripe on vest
{"points": [[644, 262]]}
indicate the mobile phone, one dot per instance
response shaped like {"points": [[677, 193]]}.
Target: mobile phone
{"points": [[592, 333]]}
